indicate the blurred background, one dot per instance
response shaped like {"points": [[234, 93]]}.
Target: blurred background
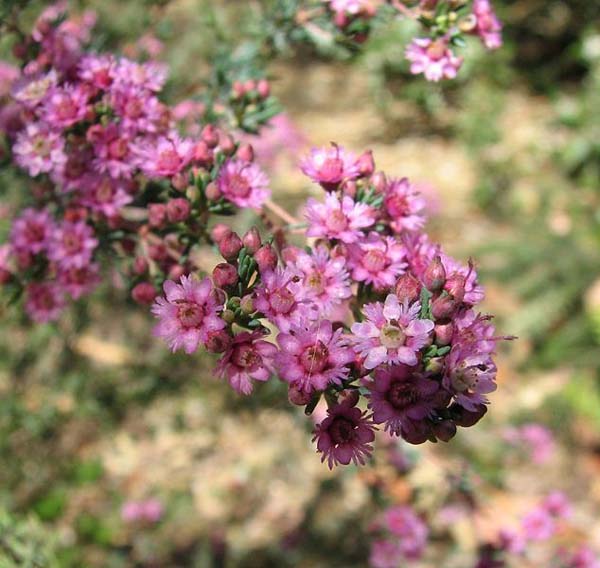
{"points": [[117, 453]]}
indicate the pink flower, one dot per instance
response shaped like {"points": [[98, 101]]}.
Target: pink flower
{"points": [[31, 231], [278, 297], [97, 70], [377, 260], [79, 281], [392, 333], [385, 554], [536, 440], [65, 106], [30, 90], [558, 505], [433, 58], [330, 166], [538, 525], [113, 151], [325, 280], [244, 184], [313, 356], [140, 112], [512, 541], [38, 150], [473, 291], [151, 76], [104, 195], [248, 358], [342, 220], [488, 28], [346, 434], [350, 7], [72, 245], [164, 156], [131, 511], [584, 557], [188, 313], [398, 394], [151, 510], [8, 75], [404, 205], [410, 529], [44, 301]]}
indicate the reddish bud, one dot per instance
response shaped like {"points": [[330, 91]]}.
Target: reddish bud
{"points": [[202, 153], [177, 271], [210, 135], [245, 153], [252, 240], [230, 246], [158, 252], [298, 396], [212, 191], [178, 209], [444, 333], [455, 286], [143, 293], [366, 163], [263, 88], [266, 258], [350, 188], [340, 20], [416, 432], [157, 215], [408, 288], [444, 430], [466, 418], [180, 181], [218, 341], [443, 307], [435, 275], [249, 85], [226, 144], [238, 90], [225, 275], [219, 231], [74, 214], [379, 182], [140, 265]]}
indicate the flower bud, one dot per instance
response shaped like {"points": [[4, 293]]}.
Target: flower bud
{"points": [[212, 191], [444, 430], [176, 272], [263, 88], [5, 276], [218, 341], [298, 396], [143, 293], [467, 418], [210, 135], [408, 288], [230, 246], [443, 307], [455, 286], [218, 295], [435, 275], [379, 182], [444, 333], [225, 275], [226, 144], [366, 163], [157, 215], [249, 85], [238, 90], [247, 304], [178, 209], [228, 316], [416, 432], [245, 153], [350, 188], [435, 365], [202, 153], [252, 240], [140, 265], [219, 231], [266, 258], [180, 181], [340, 19]]}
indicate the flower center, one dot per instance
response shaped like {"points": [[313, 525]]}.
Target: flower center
{"points": [[316, 281], [71, 242], [374, 260], [190, 314], [118, 149], [391, 336], [332, 169], [436, 50], [66, 109], [169, 160], [397, 205], [34, 232], [402, 395], [104, 192], [337, 221], [315, 357], [239, 186], [133, 108], [245, 356], [341, 431], [41, 147]]}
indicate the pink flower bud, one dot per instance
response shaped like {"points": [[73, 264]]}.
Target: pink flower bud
{"points": [[252, 240], [455, 286], [249, 85], [210, 135], [379, 182], [444, 333], [178, 209], [143, 293], [237, 89], [219, 231], [298, 396], [350, 188], [212, 191], [225, 275], [443, 307], [408, 288], [5, 276], [263, 88], [177, 271], [226, 144], [366, 163], [180, 181], [158, 252], [140, 265], [157, 215], [218, 341], [245, 153], [203, 154], [435, 275], [230, 246], [266, 258], [340, 20], [416, 432]]}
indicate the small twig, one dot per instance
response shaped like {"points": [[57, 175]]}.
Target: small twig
{"points": [[403, 9], [281, 213]]}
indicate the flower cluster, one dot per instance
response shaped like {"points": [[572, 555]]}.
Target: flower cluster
{"points": [[373, 308], [113, 175]]}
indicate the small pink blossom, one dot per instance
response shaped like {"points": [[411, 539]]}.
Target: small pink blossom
{"points": [[105, 195], [113, 151], [79, 281], [512, 541], [488, 27], [188, 313], [72, 245], [391, 334], [249, 358], [433, 58], [97, 70], [313, 356], [151, 76], [30, 90], [584, 557], [165, 156], [338, 219], [31, 231], [44, 301], [39, 150], [377, 260], [350, 7], [330, 166], [244, 184], [65, 106], [404, 206], [385, 553], [346, 434], [558, 505], [411, 531], [538, 524]]}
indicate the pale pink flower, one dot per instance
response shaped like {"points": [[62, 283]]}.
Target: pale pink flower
{"points": [[538, 524], [188, 313], [346, 434], [404, 206], [72, 245], [391, 334], [65, 106], [330, 166], [249, 358], [31, 231], [113, 152], [44, 301], [30, 90], [244, 184], [558, 505], [104, 195], [39, 150], [377, 260], [411, 531], [97, 70], [164, 156], [385, 553], [313, 356], [338, 219], [433, 58], [151, 75], [473, 293], [350, 7], [488, 27], [79, 281]]}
